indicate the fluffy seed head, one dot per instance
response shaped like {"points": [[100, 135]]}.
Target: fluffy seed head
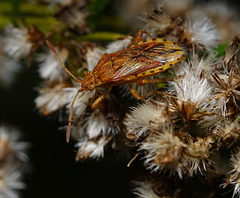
{"points": [[50, 67], [163, 152], [51, 99], [92, 57], [157, 21], [144, 119], [234, 175], [74, 17], [9, 68], [82, 101], [145, 191], [119, 45], [13, 160], [191, 87], [201, 32], [16, 43], [196, 154], [91, 148]]}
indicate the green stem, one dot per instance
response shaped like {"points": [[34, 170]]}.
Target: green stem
{"points": [[100, 36]]}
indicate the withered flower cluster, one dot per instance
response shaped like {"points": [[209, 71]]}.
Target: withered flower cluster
{"points": [[177, 135], [13, 162]]}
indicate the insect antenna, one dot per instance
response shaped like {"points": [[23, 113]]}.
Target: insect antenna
{"points": [[70, 115], [60, 60]]}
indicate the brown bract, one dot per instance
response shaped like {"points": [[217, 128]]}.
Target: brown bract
{"points": [[228, 90]]}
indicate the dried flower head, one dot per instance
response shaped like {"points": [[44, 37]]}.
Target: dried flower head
{"points": [[192, 95], [228, 95], [74, 16], [82, 57], [231, 55], [50, 68], [82, 101], [200, 67], [16, 43], [159, 22], [196, 154], [234, 175], [51, 99], [200, 32], [19, 42], [224, 15], [228, 131], [93, 149], [178, 7], [163, 151], [92, 57], [11, 182], [157, 186], [119, 44], [145, 191], [9, 68], [11, 145], [97, 124], [13, 159], [143, 120]]}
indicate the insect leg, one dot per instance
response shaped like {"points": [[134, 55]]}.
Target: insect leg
{"points": [[100, 98], [158, 80], [60, 60], [70, 115], [136, 94], [139, 35]]}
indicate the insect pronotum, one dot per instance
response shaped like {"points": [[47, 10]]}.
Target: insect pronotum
{"points": [[142, 59]]}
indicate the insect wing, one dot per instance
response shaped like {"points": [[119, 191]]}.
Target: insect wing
{"points": [[145, 57], [134, 66]]}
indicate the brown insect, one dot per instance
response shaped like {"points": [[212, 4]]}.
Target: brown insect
{"points": [[142, 59]]}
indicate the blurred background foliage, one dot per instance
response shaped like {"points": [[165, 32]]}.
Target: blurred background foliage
{"points": [[101, 17]]}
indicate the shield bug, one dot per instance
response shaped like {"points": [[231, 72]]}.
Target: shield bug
{"points": [[142, 59]]}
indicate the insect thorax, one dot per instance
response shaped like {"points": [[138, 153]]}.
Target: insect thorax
{"points": [[89, 81]]}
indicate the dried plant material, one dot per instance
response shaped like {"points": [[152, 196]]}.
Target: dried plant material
{"points": [[75, 16], [50, 68], [200, 32], [51, 99], [163, 153], [13, 159], [145, 119], [227, 93], [197, 153], [231, 55], [16, 43], [91, 148], [179, 116], [234, 176]]}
